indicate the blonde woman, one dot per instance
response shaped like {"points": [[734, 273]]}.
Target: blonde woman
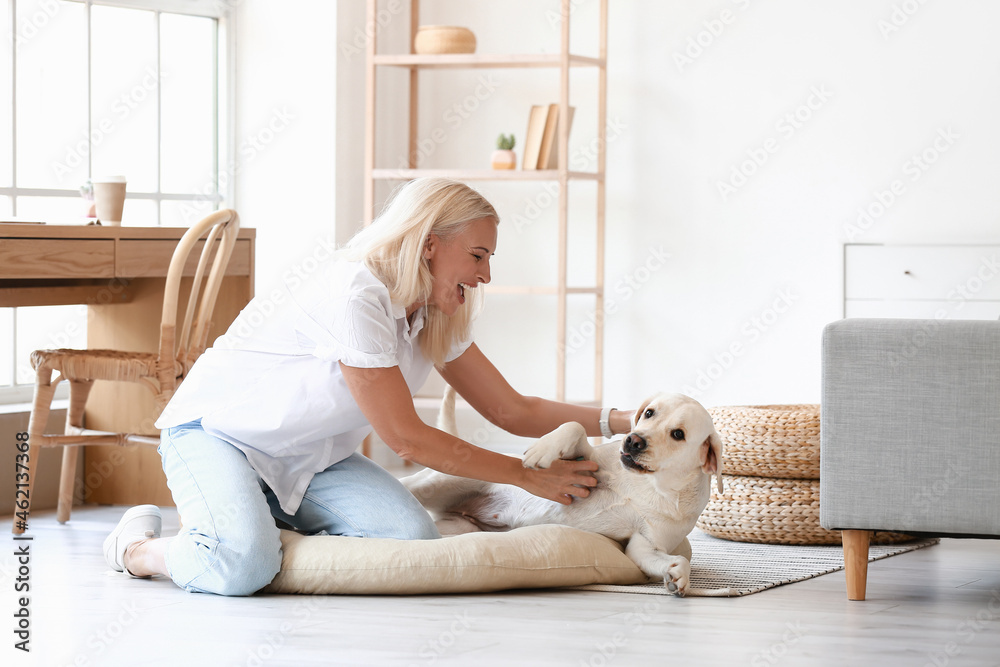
{"points": [[264, 430]]}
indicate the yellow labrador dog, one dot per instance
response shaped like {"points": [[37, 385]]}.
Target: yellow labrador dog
{"points": [[652, 486]]}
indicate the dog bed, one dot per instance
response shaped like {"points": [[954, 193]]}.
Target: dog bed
{"points": [[529, 557]]}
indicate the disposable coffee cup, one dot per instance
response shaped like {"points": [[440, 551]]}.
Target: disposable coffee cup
{"points": [[109, 199]]}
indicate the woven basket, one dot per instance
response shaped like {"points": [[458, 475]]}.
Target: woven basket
{"points": [[772, 511], [769, 440], [438, 39]]}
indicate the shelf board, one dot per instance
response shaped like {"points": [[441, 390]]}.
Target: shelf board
{"points": [[475, 60], [484, 174]]}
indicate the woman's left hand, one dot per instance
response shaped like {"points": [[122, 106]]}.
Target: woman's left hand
{"points": [[562, 481]]}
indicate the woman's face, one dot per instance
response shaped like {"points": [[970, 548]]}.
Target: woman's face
{"points": [[460, 263]]}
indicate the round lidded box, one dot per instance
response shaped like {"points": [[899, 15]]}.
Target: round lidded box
{"points": [[439, 39]]}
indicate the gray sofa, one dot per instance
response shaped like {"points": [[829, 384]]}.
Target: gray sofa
{"points": [[910, 432]]}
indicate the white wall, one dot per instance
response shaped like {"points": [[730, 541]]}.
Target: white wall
{"points": [[879, 97], [286, 130], [886, 95]]}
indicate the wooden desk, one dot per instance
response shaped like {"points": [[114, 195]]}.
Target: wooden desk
{"points": [[119, 272]]}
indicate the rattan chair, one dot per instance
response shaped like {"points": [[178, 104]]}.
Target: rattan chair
{"points": [[161, 373]]}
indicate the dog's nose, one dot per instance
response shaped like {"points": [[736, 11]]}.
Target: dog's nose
{"points": [[634, 444]]}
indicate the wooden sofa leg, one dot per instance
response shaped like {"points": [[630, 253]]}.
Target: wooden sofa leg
{"points": [[856, 561]]}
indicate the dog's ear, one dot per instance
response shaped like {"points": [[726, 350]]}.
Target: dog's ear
{"points": [[711, 457]]}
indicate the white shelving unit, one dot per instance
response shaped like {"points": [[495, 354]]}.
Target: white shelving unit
{"points": [[564, 60]]}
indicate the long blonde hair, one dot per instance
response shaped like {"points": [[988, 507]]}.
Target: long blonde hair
{"points": [[392, 248]]}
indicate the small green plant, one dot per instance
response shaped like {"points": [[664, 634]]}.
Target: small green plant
{"points": [[505, 142]]}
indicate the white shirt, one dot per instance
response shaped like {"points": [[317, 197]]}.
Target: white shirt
{"points": [[272, 385]]}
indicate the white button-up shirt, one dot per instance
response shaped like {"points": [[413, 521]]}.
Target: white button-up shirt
{"points": [[272, 385]]}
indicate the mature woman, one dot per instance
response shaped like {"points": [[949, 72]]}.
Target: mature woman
{"points": [[264, 430]]}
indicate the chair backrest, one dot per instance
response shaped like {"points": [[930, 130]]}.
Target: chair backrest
{"points": [[181, 347]]}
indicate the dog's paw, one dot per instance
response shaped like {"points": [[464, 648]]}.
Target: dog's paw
{"points": [[540, 455], [677, 575], [562, 443]]}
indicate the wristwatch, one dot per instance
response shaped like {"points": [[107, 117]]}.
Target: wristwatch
{"points": [[606, 423]]}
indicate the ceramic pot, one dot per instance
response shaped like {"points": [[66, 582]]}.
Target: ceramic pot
{"points": [[503, 159]]}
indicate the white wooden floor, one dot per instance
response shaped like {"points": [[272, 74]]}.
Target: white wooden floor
{"points": [[936, 606]]}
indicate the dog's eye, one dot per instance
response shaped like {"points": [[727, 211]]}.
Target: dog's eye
{"points": [[648, 413], [677, 434]]}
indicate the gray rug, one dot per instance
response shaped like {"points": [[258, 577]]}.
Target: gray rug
{"points": [[722, 568]]}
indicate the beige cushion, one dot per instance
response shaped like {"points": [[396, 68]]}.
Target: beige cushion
{"points": [[529, 557]]}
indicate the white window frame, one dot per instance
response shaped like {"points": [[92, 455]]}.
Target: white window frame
{"points": [[223, 11]]}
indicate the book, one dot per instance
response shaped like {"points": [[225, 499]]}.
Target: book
{"points": [[548, 155], [533, 136]]}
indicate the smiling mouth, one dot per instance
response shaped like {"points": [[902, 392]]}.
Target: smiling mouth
{"points": [[632, 464], [461, 290]]}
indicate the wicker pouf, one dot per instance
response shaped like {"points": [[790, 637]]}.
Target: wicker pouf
{"points": [[769, 440], [767, 511], [770, 466]]}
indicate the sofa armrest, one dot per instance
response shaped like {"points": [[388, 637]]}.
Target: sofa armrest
{"points": [[910, 426]]}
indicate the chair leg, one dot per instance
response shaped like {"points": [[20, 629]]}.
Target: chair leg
{"points": [[67, 480], [856, 562], [79, 391], [41, 405]]}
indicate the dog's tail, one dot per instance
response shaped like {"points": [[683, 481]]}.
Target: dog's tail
{"points": [[446, 415]]}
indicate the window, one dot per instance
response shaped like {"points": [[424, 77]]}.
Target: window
{"points": [[135, 88]]}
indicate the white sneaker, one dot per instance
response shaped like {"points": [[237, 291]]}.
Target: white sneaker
{"points": [[139, 523]]}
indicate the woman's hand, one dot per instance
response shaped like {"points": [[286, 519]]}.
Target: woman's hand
{"points": [[560, 482]]}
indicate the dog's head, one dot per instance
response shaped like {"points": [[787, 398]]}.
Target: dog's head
{"points": [[672, 432]]}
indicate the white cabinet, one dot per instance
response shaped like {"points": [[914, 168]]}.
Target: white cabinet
{"points": [[960, 282]]}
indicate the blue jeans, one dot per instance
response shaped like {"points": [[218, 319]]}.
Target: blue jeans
{"points": [[229, 540]]}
